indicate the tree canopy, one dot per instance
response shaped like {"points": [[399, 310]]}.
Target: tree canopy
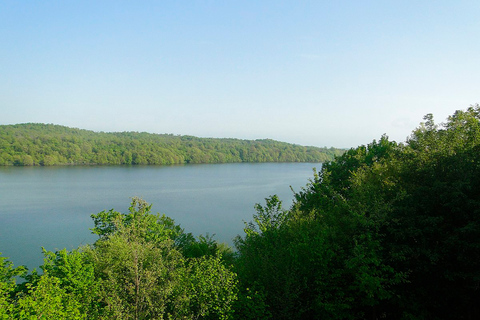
{"points": [[137, 269], [46, 144], [385, 231]]}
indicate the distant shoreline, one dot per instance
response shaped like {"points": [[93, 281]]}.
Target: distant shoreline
{"points": [[37, 144]]}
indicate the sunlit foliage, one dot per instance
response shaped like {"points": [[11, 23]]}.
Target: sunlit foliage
{"points": [[384, 231], [47, 145]]}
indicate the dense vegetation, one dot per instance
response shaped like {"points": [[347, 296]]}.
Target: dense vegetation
{"points": [[143, 266], [385, 231], [45, 144]]}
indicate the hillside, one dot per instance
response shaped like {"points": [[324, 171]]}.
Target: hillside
{"points": [[34, 144]]}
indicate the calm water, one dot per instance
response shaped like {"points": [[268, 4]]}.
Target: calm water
{"points": [[51, 206]]}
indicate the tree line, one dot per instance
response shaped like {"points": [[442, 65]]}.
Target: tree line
{"points": [[385, 231], [46, 144]]}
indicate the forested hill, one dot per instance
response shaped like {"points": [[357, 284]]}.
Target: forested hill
{"points": [[47, 144]]}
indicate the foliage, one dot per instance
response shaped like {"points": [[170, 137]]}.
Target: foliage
{"points": [[139, 279], [213, 288], [251, 304], [314, 266], [151, 227], [144, 274], [435, 226], [74, 272], [268, 218], [143, 266], [48, 300], [385, 230], [45, 144], [155, 228], [8, 274]]}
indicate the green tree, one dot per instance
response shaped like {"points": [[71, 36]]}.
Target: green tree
{"points": [[411, 211], [57, 145], [435, 226], [47, 300], [212, 288], [150, 227], [144, 275], [74, 272], [139, 279], [8, 275], [316, 264]]}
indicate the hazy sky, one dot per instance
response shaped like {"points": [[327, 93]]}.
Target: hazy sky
{"points": [[322, 73]]}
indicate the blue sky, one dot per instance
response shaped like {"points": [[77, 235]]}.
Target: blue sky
{"points": [[322, 73]]}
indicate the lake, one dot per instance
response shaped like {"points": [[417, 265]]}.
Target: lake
{"points": [[51, 206]]}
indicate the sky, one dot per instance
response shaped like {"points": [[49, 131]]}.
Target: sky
{"points": [[317, 73]]}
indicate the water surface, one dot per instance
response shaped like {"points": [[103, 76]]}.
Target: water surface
{"points": [[51, 206]]}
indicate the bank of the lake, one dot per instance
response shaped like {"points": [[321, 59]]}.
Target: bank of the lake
{"points": [[38, 144]]}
